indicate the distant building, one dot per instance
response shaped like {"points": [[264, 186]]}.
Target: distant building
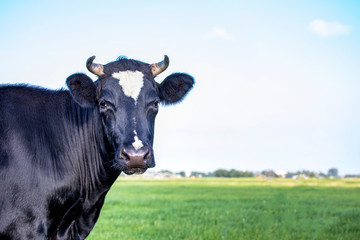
{"points": [[281, 173]]}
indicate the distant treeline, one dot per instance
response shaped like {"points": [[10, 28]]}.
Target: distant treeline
{"points": [[233, 173], [219, 173]]}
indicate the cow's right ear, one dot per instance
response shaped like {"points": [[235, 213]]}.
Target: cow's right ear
{"points": [[82, 89]]}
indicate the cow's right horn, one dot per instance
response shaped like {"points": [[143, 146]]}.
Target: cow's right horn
{"points": [[157, 68], [95, 68]]}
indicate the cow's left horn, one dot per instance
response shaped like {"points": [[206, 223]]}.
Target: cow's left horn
{"points": [[157, 68], [95, 68]]}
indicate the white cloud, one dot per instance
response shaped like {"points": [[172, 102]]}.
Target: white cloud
{"points": [[220, 33], [327, 29]]}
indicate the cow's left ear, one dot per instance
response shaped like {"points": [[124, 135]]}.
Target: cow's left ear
{"points": [[82, 89], [175, 87]]}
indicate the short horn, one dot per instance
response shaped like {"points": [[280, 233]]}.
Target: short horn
{"points": [[95, 68], [157, 68]]}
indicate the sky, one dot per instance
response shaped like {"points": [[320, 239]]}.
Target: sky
{"points": [[277, 82]]}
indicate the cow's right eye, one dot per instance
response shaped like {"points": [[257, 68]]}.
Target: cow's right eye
{"points": [[103, 104]]}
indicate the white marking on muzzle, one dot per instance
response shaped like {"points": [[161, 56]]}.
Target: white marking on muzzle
{"points": [[131, 82], [137, 144]]}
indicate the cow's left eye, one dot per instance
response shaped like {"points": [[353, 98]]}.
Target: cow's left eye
{"points": [[153, 106]]}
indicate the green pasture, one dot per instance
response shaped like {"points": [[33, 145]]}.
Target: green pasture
{"points": [[217, 208]]}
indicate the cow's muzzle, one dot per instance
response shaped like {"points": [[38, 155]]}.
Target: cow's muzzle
{"points": [[136, 161]]}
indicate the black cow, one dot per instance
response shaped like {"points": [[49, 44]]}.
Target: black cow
{"points": [[60, 151]]}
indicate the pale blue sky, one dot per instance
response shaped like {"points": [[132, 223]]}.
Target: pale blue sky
{"points": [[277, 82]]}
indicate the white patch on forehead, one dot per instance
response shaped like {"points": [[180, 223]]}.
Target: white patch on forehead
{"points": [[137, 144], [131, 82]]}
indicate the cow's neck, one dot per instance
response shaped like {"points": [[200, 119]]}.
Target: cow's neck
{"points": [[91, 157], [79, 193]]}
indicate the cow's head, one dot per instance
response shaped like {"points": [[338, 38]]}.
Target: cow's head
{"points": [[127, 99]]}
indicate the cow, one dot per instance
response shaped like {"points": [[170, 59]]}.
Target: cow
{"points": [[61, 150]]}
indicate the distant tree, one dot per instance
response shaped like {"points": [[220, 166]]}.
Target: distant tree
{"points": [[221, 173], [308, 173], [333, 172], [166, 171], [182, 173], [352, 176], [269, 173], [312, 174], [321, 174], [247, 174], [234, 173], [197, 174]]}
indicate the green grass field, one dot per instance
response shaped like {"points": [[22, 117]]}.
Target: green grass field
{"points": [[240, 208]]}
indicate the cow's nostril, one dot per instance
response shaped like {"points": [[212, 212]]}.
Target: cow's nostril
{"points": [[135, 158], [124, 155], [146, 153]]}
